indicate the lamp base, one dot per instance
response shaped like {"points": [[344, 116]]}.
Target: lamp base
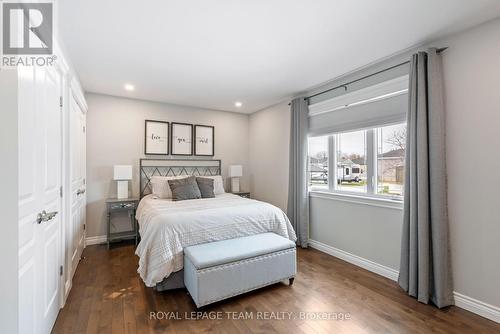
{"points": [[122, 189], [235, 184]]}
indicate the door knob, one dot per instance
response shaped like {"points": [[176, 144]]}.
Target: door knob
{"points": [[45, 216], [80, 192]]}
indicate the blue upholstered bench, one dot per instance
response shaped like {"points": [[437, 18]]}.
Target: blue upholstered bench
{"points": [[222, 269]]}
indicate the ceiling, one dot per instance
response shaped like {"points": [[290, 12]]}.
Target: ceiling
{"points": [[211, 54]]}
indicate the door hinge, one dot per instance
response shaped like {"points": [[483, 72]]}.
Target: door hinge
{"points": [[84, 129], [61, 191], [60, 270], [60, 101], [84, 227]]}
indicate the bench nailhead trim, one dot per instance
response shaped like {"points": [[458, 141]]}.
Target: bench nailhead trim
{"points": [[252, 259]]}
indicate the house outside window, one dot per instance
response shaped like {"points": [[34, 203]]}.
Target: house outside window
{"points": [[391, 149]]}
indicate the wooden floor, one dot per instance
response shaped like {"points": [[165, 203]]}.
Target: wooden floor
{"points": [[109, 297]]}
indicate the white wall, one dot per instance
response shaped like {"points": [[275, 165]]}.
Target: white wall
{"points": [[472, 99], [269, 139], [115, 135], [368, 231], [472, 102]]}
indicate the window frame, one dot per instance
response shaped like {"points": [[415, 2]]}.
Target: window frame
{"points": [[371, 168]]}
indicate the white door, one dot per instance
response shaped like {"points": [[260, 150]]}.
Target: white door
{"points": [[76, 235], [39, 198]]}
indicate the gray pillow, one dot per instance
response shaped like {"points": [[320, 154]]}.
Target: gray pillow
{"points": [[206, 186], [186, 188]]}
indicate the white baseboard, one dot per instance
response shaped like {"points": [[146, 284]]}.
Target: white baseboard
{"points": [[100, 239], [67, 288], [478, 307], [356, 260]]}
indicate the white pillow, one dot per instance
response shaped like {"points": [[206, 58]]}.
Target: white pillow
{"points": [[218, 184], [160, 187]]}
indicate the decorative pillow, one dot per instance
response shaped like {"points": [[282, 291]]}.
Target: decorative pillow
{"points": [[206, 186], [218, 184], [160, 187], [185, 188]]}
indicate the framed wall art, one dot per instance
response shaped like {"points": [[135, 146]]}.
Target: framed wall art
{"points": [[204, 140], [181, 139], [156, 137]]}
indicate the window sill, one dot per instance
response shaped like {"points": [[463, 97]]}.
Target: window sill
{"points": [[358, 199]]}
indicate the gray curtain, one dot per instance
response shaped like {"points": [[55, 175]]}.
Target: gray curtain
{"points": [[298, 201], [425, 270]]}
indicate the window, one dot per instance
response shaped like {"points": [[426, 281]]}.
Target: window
{"points": [[363, 134], [318, 162], [370, 161]]}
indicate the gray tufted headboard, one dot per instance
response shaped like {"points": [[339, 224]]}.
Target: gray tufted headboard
{"points": [[174, 167]]}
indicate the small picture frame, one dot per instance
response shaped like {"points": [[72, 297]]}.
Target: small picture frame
{"points": [[156, 135], [181, 139], [204, 140]]}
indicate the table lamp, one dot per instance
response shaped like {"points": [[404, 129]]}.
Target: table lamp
{"points": [[235, 172], [122, 174]]}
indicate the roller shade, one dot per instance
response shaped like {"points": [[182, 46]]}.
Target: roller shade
{"points": [[375, 106]]}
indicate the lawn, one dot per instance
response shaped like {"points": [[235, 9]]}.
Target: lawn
{"points": [[361, 183]]}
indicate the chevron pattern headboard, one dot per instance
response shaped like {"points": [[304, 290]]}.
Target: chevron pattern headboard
{"points": [[173, 167]]}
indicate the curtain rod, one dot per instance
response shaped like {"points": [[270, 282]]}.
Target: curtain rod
{"points": [[366, 76]]}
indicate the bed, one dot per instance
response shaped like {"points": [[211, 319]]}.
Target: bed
{"points": [[167, 227]]}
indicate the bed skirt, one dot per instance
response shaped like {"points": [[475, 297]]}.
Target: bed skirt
{"points": [[173, 281]]}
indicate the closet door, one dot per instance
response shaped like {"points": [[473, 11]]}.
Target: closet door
{"points": [[40, 180], [78, 184]]}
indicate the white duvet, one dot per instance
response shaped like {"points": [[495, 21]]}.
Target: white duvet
{"points": [[166, 227]]}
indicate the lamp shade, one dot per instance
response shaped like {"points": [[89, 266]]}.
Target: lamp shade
{"points": [[122, 172], [235, 171]]}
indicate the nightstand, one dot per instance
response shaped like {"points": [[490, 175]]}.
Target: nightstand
{"points": [[245, 194], [128, 205]]}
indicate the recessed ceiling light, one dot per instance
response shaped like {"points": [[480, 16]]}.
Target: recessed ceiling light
{"points": [[129, 87], [238, 104]]}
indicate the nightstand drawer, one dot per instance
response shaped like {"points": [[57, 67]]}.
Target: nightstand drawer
{"points": [[118, 206], [243, 194]]}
